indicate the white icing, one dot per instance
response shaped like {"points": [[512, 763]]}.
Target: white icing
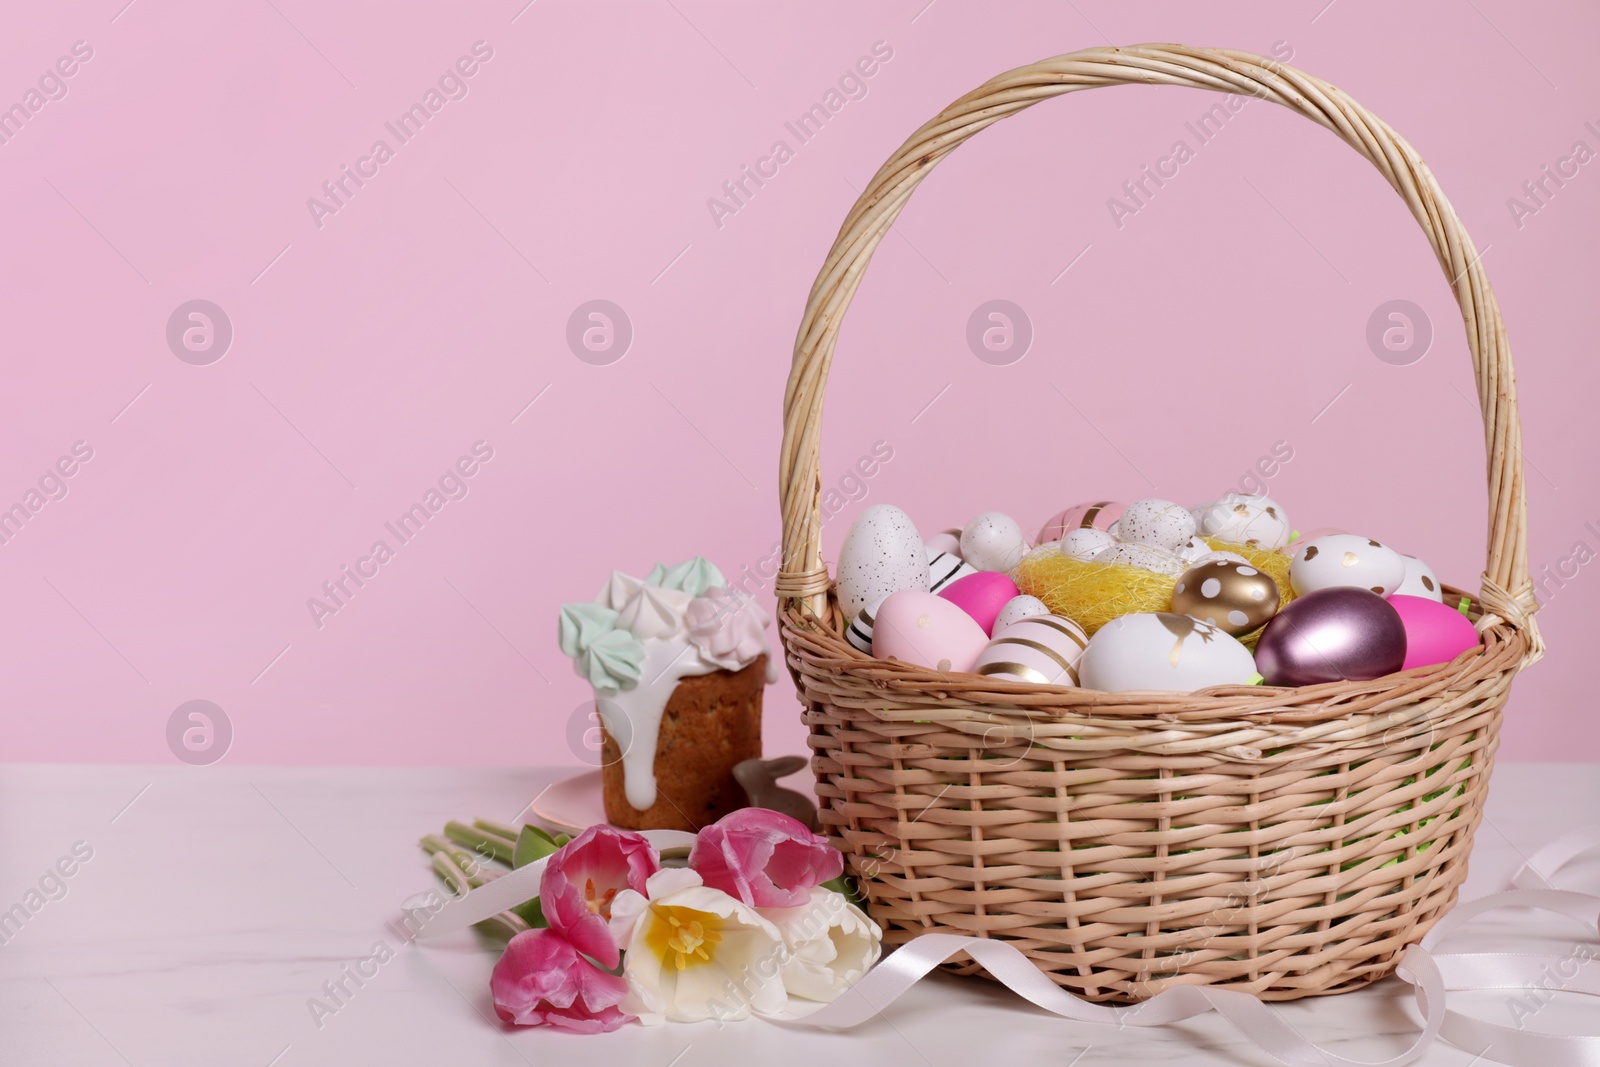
{"points": [[633, 716]]}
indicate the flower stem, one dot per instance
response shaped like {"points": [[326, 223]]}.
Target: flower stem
{"points": [[497, 829], [485, 844]]}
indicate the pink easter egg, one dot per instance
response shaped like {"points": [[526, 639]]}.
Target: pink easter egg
{"points": [[1099, 515], [981, 595], [1435, 632], [928, 630]]}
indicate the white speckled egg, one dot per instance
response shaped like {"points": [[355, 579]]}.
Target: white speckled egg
{"points": [[1242, 519], [928, 630], [1043, 649], [1346, 559], [1085, 543], [1163, 651], [993, 542], [881, 554], [1149, 557], [945, 542], [1019, 607], [859, 632], [944, 569], [1419, 580], [1156, 522]]}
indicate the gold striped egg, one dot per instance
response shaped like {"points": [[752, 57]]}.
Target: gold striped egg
{"points": [[1043, 649]]}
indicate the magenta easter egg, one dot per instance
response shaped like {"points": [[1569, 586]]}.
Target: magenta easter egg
{"points": [[981, 595], [1435, 632], [1098, 516], [928, 630]]}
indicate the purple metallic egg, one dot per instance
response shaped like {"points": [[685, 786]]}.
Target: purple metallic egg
{"points": [[1338, 634]]}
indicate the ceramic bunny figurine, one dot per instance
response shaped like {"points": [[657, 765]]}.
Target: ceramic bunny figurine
{"points": [[759, 777]]}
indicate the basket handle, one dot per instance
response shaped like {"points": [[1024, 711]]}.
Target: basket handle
{"points": [[802, 583]]}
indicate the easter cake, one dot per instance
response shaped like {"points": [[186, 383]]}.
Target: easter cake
{"points": [[678, 663]]}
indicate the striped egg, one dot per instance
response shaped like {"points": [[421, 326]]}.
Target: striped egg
{"points": [[1043, 649], [1098, 515], [859, 632], [944, 541], [946, 568]]}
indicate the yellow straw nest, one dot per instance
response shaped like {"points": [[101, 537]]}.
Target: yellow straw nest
{"points": [[1093, 594]]}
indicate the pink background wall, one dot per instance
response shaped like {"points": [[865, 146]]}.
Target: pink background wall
{"points": [[372, 350]]}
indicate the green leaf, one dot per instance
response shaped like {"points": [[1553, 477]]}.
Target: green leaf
{"points": [[847, 887], [532, 844], [532, 913]]}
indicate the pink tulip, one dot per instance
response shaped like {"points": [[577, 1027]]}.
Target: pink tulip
{"points": [[582, 879], [764, 858], [541, 980]]}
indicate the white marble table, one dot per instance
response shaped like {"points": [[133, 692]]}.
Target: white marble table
{"points": [[216, 901]]}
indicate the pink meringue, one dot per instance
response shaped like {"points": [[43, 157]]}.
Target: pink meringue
{"points": [[727, 628]]}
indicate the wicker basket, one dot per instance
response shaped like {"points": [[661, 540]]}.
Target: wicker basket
{"points": [[1287, 842]]}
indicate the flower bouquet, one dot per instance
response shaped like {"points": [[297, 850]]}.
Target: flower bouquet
{"points": [[761, 912]]}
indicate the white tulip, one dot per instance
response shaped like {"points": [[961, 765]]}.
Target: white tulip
{"points": [[830, 943]]}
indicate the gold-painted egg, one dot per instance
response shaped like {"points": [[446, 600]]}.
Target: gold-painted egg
{"points": [[1234, 597]]}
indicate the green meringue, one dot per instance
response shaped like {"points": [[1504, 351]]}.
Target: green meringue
{"points": [[613, 661], [581, 625], [693, 576]]}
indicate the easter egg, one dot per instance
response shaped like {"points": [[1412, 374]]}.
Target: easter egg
{"points": [[1149, 557], [1330, 635], [1163, 651], [1085, 543], [1018, 607], [1234, 597], [993, 542], [1214, 557], [1243, 519], [922, 628], [881, 554], [1193, 550], [1346, 560], [981, 595], [1435, 633], [1160, 523], [1043, 649], [945, 542], [1096, 516], [859, 632], [944, 569], [1419, 580]]}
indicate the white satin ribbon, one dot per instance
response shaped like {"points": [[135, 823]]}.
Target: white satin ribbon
{"points": [[1429, 975]]}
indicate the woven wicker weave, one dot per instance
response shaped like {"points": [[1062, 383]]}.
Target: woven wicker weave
{"points": [[1288, 842]]}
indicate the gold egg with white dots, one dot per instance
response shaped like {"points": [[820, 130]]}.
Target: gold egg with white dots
{"points": [[1234, 597]]}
